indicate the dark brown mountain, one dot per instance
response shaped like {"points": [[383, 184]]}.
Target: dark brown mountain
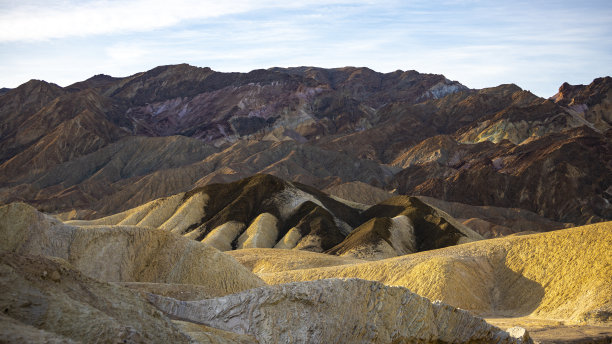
{"points": [[402, 225], [404, 124], [99, 82], [198, 102], [108, 144], [135, 170], [65, 128], [563, 176], [18, 105], [218, 107]]}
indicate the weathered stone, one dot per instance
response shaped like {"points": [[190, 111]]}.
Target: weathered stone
{"points": [[336, 311], [76, 308]]}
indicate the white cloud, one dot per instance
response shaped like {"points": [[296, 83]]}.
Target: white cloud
{"points": [[32, 20], [28, 22], [478, 43]]}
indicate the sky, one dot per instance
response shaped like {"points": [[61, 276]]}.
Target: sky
{"points": [[535, 44]]}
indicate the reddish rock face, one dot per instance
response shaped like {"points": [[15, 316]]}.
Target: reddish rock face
{"points": [[81, 147], [562, 176], [592, 102]]}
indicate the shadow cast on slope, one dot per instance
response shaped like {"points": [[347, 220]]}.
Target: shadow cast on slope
{"points": [[514, 295]]}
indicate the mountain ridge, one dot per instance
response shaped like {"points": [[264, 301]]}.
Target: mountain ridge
{"points": [[322, 127]]}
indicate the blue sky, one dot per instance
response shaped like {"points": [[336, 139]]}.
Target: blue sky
{"points": [[535, 44]]}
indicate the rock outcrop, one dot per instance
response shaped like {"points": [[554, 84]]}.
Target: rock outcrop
{"points": [[337, 311], [593, 102]]}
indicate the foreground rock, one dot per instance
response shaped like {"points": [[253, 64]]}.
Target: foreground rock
{"points": [[337, 311], [557, 332], [47, 301]]}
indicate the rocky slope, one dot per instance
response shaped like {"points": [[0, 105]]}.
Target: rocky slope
{"points": [[359, 192], [122, 253], [48, 301], [525, 176], [592, 102], [337, 311], [402, 225], [495, 221]]}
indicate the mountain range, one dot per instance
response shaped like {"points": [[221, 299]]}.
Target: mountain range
{"points": [[107, 144]]}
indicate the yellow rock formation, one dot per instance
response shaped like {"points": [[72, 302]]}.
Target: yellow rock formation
{"points": [[123, 253], [261, 233], [565, 274]]}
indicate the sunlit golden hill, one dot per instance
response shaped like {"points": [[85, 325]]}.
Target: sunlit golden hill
{"points": [[563, 274]]}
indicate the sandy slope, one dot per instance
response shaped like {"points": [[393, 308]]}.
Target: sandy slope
{"points": [[266, 260], [122, 253], [564, 274], [55, 277]]}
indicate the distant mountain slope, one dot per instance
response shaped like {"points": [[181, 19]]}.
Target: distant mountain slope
{"points": [[405, 131], [491, 221], [563, 176], [135, 170], [359, 192], [593, 101], [17, 106]]}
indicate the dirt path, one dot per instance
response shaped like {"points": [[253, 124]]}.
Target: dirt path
{"points": [[557, 332]]}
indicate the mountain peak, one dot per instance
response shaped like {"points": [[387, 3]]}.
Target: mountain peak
{"points": [[568, 92]]}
